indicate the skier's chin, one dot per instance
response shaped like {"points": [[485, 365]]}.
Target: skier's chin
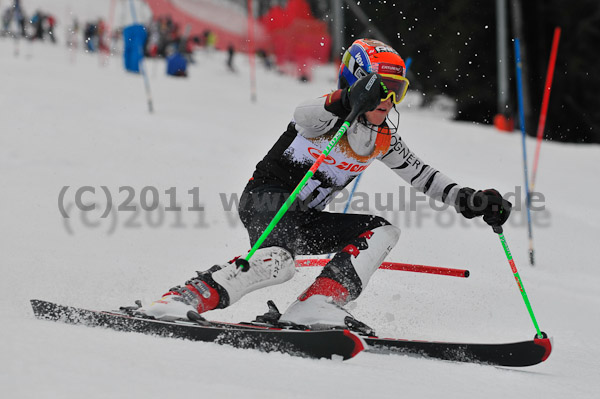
{"points": [[377, 116]]}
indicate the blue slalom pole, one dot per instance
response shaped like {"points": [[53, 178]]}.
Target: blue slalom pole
{"points": [[523, 134], [142, 68], [347, 206], [352, 193]]}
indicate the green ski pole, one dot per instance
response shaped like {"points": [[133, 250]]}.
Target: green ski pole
{"points": [[364, 101], [243, 263], [498, 230]]}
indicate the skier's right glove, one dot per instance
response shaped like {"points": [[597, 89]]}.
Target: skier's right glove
{"points": [[364, 95], [487, 203]]}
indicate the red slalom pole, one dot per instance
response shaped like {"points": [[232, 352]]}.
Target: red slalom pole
{"points": [[395, 266], [545, 100]]}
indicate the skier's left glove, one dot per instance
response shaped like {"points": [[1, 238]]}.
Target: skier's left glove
{"points": [[363, 96], [487, 203]]}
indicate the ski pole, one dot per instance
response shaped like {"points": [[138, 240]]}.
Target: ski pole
{"points": [[243, 263], [498, 230], [523, 134], [545, 100]]}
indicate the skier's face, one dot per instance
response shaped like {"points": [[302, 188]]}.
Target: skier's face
{"points": [[377, 116]]}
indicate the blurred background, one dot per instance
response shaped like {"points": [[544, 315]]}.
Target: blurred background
{"points": [[454, 47], [461, 52]]}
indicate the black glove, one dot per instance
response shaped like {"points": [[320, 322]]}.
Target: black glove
{"points": [[364, 95], [487, 203], [341, 102]]}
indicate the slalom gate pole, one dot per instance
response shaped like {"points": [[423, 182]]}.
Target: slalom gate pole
{"points": [[142, 68], [109, 27], [545, 100], [523, 134], [347, 206], [243, 263], [352, 193], [498, 230], [407, 267]]}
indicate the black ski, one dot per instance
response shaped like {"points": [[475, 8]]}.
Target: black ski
{"points": [[268, 335], [516, 354], [314, 344]]}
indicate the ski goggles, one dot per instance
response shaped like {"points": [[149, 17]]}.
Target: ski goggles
{"points": [[397, 86]]}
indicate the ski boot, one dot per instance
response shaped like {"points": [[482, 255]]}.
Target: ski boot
{"points": [[223, 285]]}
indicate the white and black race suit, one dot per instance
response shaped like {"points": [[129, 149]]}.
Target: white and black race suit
{"points": [[306, 228]]}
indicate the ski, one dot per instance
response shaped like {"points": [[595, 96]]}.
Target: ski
{"points": [[516, 354], [305, 343], [268, 335]]}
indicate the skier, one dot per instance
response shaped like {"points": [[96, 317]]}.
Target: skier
{"points": [[360, 242]]}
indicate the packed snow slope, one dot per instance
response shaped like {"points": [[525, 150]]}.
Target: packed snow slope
{"points": [[79, 120]]}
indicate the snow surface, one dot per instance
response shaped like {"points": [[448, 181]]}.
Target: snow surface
{"points": [[82, 121]]}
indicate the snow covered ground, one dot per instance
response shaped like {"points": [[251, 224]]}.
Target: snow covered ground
{"points": [[82, 121]]}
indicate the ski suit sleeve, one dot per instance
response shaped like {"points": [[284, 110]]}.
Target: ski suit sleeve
{"points": [[312, 119], [420, 175]]}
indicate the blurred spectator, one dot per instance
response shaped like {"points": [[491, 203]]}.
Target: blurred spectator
{"points": [[266, 58], [37, 21], [19, 16], [89, 36], [154, 38], [210, 40], [230, 55], [72, 34], [50, 23], [162, 33], [168, 32], [101, 36], [43, 24], [6, 18], [164, 39]]}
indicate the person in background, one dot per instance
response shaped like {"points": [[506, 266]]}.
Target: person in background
{"points": [[230, 55]]}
